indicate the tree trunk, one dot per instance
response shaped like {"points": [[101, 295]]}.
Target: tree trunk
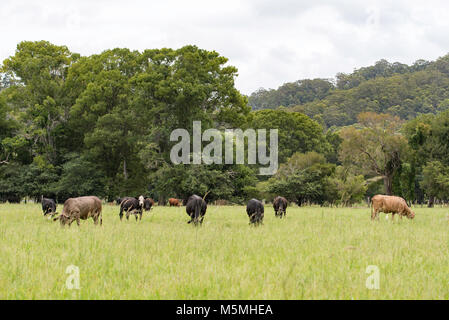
{"points": [[125, 172], [431, 202], [388, 184]]}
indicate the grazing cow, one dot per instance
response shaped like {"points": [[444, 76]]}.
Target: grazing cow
{"points": [[255, 211], [390, 204], [48, 206], [80, 208], [174, 202], [148, 203], [132, 205], [196, 209], [280, 206]]}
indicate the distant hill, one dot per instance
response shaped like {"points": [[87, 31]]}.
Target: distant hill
{"points": [[395, 88]]}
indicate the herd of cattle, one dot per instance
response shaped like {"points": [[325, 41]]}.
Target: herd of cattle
{"points": [[90, 207]]}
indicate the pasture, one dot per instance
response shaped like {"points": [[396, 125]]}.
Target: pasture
{"points": [[315, 253]]}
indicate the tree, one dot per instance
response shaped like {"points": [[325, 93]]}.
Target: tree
{"points": [[435, 181], [290, 94], [79, 177], [375, 148], [296, 132], [303, 178], [345, 187], [37, 92]]}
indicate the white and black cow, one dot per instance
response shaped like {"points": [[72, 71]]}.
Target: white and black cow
{"points": [[132, 205]]}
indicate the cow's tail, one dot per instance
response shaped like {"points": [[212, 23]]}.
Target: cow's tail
{"points": [[121, 210], [196, 216], [259, 215]]}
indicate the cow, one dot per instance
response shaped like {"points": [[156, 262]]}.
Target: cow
{"points": [[390, 204], [48, 206], [280, 206], [80, 208], [174, 202], [132, 205], [148, 203], [196, 209], [255, 211]]}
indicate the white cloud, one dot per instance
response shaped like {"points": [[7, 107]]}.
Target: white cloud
{"points": [[270, 42]]}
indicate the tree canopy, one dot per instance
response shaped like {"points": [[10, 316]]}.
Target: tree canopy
{"points": [[73, 125]]}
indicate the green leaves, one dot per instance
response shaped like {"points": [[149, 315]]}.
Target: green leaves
{"points": [[436, 180], [296, 131], [303, 178]]}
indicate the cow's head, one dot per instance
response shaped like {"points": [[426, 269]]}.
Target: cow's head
{"points": [[410, 214], [141, 201], [50, 213], [63, 219]]}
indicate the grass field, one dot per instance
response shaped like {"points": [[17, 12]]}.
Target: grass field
{"points": [[315, 253]]}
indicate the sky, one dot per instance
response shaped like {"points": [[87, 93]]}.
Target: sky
{"points": [[270, 42]]}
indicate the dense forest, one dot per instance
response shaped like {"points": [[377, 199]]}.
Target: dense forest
{"points": [[74, 125], [393, 88]]}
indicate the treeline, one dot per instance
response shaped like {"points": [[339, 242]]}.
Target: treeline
{"points": [[74, 125], [393, 88]]}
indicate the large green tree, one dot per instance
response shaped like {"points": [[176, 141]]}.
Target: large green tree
{"points": [[38, 95], [302, 178], [375, 147], [296, 132]]}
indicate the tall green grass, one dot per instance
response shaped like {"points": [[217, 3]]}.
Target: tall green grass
{"points": [[315, 253]]}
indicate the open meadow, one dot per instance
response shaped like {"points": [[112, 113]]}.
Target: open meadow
{"points": [[315, 253]]}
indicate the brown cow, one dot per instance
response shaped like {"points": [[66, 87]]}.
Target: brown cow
{"points": [[390, 204], [148, 203], [174, 202], [280, 206], [80, 208]]}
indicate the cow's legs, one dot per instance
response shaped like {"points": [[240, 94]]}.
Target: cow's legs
{"points": [[95, 217], [128, 212]]}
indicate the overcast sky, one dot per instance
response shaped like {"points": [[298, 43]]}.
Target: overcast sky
{"points": [[270, 42]]}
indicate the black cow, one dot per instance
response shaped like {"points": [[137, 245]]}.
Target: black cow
{"points": [[196, 209], [48, 206], [255, 211], [132, 205], [280, 207]]}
